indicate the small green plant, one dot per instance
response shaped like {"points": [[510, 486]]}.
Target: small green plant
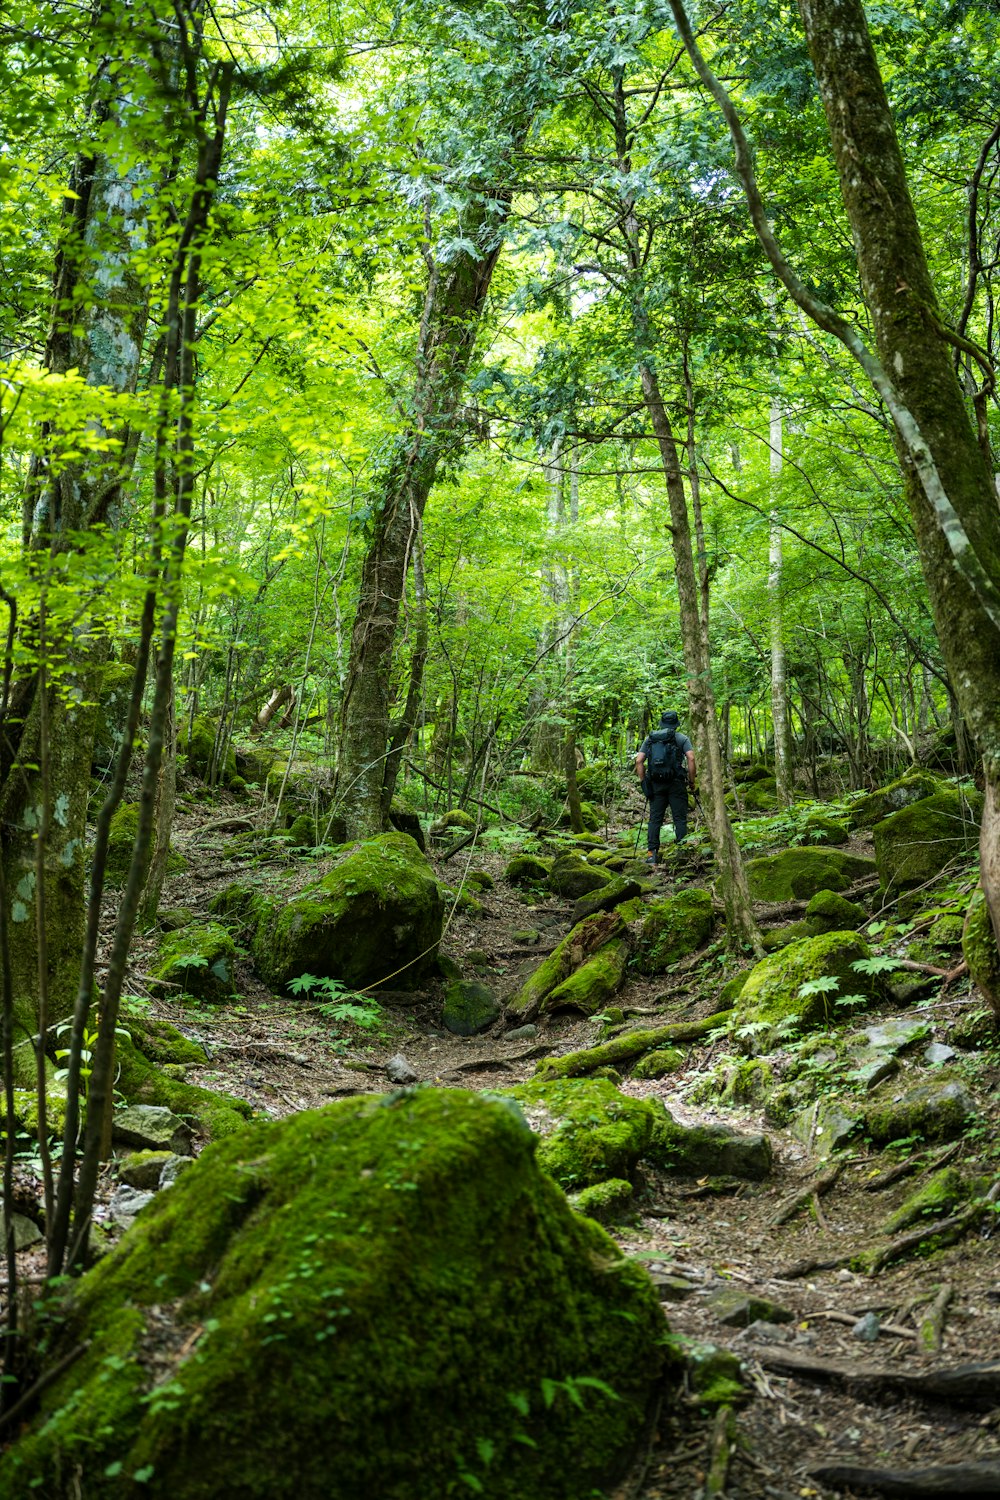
{"points": [[339, 1003]]}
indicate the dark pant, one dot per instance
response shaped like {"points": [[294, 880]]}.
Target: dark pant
{"points": [[673, 795]]}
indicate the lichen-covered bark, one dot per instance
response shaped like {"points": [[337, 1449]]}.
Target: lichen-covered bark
{"points": [[915, 351], [455, 297]]}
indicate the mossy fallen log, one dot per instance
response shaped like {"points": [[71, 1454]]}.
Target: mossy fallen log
{"points": [[628, 1046]]}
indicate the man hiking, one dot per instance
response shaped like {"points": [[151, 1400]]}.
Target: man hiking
{"points": [[665, 767]]}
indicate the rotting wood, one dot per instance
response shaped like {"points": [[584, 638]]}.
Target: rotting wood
{"points": [[912, 1165], [631, 1045], [458, 846], [263, 1052], [948, 975], [817, 1186], [977, 1384], [932, 1323], [720, 1453], [967, 1480]]}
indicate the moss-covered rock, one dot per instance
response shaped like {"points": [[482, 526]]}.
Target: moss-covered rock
{"points": [[479, 880], [456, 820], [659, 1063], [605, 1201], [121, 838], [947, 931], [673, 928], [572, 876], [829, 912], [141, 1081], [821, 829], [798, 874], [913, 787], [163, 1043], [525, 869], [747, 775], [237, 903], [776, 938], [141, 1169], [771, 1001], [936, 1108], [615, 893], [589, 1132], [595, 781], [732, 988], [196, 743], [761, 795], [200, 959], [749, 1082], [709, 1150], [111, 718], [913, 846], [469, 1008], [339, 1331], [375, 917], [302, 832], [979, 949], [405, 821], [582, 972]]}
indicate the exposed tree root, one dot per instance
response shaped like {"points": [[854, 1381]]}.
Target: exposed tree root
{"points": [[932, 1323], [968, 1480], [720, 1453], [630, 1045], [817, 1186], [910, 1166], [977, 1384]]}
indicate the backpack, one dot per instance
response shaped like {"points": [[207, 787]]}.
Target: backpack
{"points": [[666, 761]]}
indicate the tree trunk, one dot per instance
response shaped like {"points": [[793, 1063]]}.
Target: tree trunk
{"points": [[454, 301], [779, 677], [916, 348]]}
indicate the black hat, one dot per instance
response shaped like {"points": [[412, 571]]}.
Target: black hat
{"points": [[669, 720]]}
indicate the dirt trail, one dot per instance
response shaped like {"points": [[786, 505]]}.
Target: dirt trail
{"points": [[696, 1238]]}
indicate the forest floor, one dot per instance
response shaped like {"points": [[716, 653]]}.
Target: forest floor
{"points": [[695, 1237]]}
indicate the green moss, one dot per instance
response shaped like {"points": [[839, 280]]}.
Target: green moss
{"points": [[714, 1376], [339, 1330], [578, 949], [761, 795], [798, 874], [776, 938], [604, 1201], [161, 1042], [914, 787], [525, 869], [749, 1082], [913, 846], [110, 720], [979, 949], [572, 876], [589, 1131], [121, 838], [200, 959], [375, 918], [674, 928], [457, 819], [820, 829], [731, 990], [480, 880], [935, 1109], [594, 983], [770, 1000], [942, 1192], [947, 931], [239, 902], [705, 1150], [196, 745], [141, 1082], [659, 1063], [828, 912], [141, 1169], [469, 1008], [302, 832]]}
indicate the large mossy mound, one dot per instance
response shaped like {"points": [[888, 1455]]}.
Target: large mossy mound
{"points": [[914, 787], [384, 1298], [913, 846], [572, 876], [377, 916], [673, 928], [771, 1001], [798, 874], [589, 1132]]}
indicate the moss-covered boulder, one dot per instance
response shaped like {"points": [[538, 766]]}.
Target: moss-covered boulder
{"points": [[829, 912], [761, 795], [525, 869], [469, 1008], [605, 1201], [455, 821], [615, 893], [939, 1195], [141, 1081], [748, 774], [589, 816], [821, 829], [936, 1108], [589, 1132], [798, 874], [595, 781], [302, 832], [673, 928], [913, 846], [375, 917], [338, 1329], [237, 903], [659, 1063], [581, 973], [198, 959], [979, 949], [947, 931], [163, 1043], [776, 938], [572, 876], [771, 1001], [875, 806], [710, 1150], [196, 745]]}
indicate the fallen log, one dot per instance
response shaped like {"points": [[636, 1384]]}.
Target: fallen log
{"points": [[975, 1479], [977, 1384], [629, 1046]]}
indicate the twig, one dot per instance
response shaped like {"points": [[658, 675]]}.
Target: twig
{"points": [[932, 1323], [892, 1330]]}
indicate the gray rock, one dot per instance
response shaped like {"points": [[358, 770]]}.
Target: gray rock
{"points": [[896, 1036], [711, 1151], [937, 1107], [738, 1309], [762, 1332], [126, 1202], [400, 1072], [521, 1033], [150, 1127], [867, 1328], [26, 1232], [937, 1052], [872, 1067], [172, 1169], [141, 1169], [672, 1288], [824, 1127]]}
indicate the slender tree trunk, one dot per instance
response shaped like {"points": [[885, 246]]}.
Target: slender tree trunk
{"points": [[453, 305], [779, 678]]}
